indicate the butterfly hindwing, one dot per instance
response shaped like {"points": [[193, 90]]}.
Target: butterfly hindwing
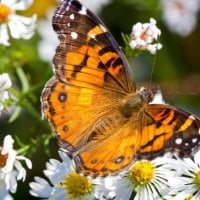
{"points": [[171, 129]]}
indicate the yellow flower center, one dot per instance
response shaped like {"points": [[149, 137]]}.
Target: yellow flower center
{"points": [[76, 186], [197, 179], [142, 172], [189, 197], [3, 159], [5, 11]]}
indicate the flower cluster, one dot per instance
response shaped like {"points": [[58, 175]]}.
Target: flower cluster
{"points": [[163, 178], [11, 169], [144, 35]]}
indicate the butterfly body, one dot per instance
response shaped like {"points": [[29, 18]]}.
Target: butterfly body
{"points": [[102, 122]]}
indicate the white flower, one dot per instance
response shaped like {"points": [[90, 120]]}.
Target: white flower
{"points": [[186, 183], [64, 183], [95, 6], [11, 169], [144, 35], [5, 84], [180, 15], [146, 180], [19, 26], [49, 42]]}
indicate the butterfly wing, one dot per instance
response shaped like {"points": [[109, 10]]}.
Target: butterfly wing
{"points": [[170, 129], [88, 54], [91, 77]]}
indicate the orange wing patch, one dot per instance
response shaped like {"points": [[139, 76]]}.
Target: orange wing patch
{"points": [[66, 108], [108, 156], [97, 30]]}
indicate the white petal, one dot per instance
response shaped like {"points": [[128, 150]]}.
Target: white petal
{"points": [[158, 98], [22, 27], [27, 161], [7, 144], [21, 172], [133, 44], [10, 180], [5, 82], [4, 193], [40, 188], [8, 3], [21, 5], [57, 174], [4, 96], [4, 37]]}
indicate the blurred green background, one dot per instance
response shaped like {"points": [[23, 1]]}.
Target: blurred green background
{"points": [[176, 69]]}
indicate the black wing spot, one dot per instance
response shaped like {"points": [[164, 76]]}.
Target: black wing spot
{"points": [[62, 97], [52, 110], [117, 62], [93, 161], [104, 169], [119, 159], [65, 128]]}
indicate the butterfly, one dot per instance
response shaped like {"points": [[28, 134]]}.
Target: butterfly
{"points": [[101, 120]]}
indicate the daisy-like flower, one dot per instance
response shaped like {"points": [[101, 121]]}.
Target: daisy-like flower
{"points": [[145, 37], [64, 183], [180, 15], [5, 84], [146, 180], [19, 26], [11, 169], [186, 183]]}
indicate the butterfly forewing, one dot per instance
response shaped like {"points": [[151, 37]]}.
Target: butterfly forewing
{"points": [[87, 51]]}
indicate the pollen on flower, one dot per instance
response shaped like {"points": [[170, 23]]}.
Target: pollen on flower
{"points": [[3, 158], [142, 172], [197, 179], [189, 197], [5, 11], [76, 186]]}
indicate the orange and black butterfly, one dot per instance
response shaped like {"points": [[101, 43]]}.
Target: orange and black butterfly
{"points": [[102, 121]]}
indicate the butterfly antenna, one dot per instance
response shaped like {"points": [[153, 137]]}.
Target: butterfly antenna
{"points": [[184, 93], [154, 62]]}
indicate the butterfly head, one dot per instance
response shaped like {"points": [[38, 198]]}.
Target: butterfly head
{"points": [[147, 94]]}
